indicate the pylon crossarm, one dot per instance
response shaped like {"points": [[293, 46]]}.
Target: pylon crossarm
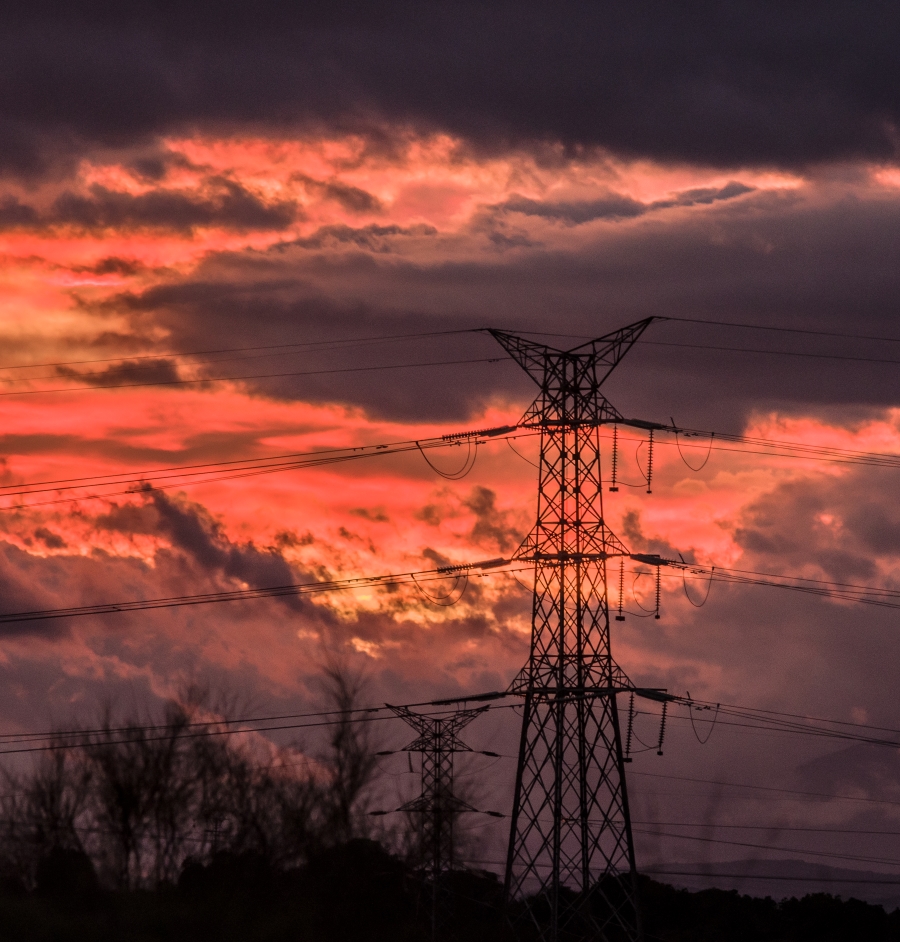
{"points": [[549, 558], [609, 349], [528, 354]]}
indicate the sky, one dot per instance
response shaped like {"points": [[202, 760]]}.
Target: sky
{"points": [[280, 229]]}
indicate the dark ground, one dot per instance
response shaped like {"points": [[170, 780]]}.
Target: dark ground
{"points": [[360, 892]]}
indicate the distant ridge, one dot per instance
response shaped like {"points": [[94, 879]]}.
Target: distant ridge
{"points": [[780, 879]]}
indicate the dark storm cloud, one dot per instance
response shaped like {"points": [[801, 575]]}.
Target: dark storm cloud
{"points": [[616, 206], [125, 373], [197, 554], [373, 237], [842, 525], [193, 533], [229, 206], [816, 258], [30, 583], [749, 82], [351, 198]]}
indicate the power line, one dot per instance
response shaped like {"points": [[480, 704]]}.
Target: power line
{"points": [[774, 728], [221, 379], [768, 788], [318, 344], [761, 876], [775, 353], [774, 448], [238, 468], [76, 738], [857, 858], [187, 475], [236, 595], [767, 827], [712, 875], [784, 330]]}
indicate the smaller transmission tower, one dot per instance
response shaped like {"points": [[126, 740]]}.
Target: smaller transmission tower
{"points": [[438, 805]]}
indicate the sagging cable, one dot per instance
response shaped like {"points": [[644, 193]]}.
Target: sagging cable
{"points": [[648, 611], [691, 707], [445, 600], [708, 588], [467, 466], [712, 435]]}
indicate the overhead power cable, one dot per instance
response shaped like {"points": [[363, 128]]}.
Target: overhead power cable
{"points": [[187, 475], [878, 596], [237, 595], [781, 329], [298, 344], [770, 790], [208, 730], [719, 348], [828, 880], [222, 379], [833, 855], [774, 448], [754, 722]]}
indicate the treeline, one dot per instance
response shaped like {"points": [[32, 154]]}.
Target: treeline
{"points": [[169, 830], [136, 801]]}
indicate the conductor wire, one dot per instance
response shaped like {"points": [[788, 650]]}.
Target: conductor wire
{"points": [[687, 594], [690, 707], [442, 600], [467, 466], [712, 435], [516, 452]]}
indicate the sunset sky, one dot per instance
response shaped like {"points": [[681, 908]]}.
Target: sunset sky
{"points": [[224, 223]]}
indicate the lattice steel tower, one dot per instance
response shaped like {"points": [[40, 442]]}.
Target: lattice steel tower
{"points": [[571, 846], [438, 805]]}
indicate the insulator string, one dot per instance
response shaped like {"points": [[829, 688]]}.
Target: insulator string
{"points": [[630, 729], [658, 590], [615, 458], [662, 728], [650, 462], [621, 616]]}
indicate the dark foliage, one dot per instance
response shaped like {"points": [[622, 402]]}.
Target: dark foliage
{"points": [[358, 892], [673, 915]]}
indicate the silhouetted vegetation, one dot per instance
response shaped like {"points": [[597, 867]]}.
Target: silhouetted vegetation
{"points": [[166, 830]]}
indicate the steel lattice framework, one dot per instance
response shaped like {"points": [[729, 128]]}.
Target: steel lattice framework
{"points": [[571, 863], [438, 805]]}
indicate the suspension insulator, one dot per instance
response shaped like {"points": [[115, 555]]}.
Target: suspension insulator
{"points": [[662, 728], [650, 462], [621, 616], [615, 458], [630, 729], [658, 589]]}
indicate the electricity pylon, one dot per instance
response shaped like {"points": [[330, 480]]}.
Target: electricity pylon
{"points": [[571, 856], [438, 805]]}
